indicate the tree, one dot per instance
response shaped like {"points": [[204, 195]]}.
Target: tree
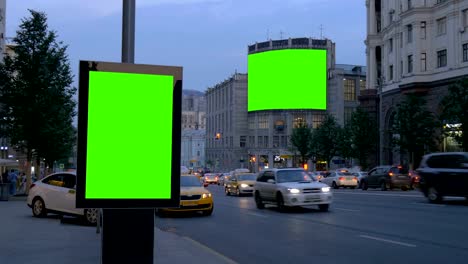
{"points": [[300, 139], [37, 97], [326, 139], [362, 133], [454, 108], [416, 128]]}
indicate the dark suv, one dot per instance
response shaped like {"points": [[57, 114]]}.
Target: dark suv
{"points": [[444, 174], [387, 177]]}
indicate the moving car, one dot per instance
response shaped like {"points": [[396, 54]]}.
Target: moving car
{"points": [[223, 179], [387, 177], [444, 174], [56, 193], [359, 175], [211, 178], [290, 187], [415, 178], [340, 178], [240, 183], [193, 197]]}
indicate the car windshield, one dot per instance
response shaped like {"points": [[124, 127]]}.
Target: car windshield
{"points": [[190, 181], [345, 174], [247, 177], [293, 176]]}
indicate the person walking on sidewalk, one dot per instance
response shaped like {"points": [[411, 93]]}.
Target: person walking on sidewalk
{"points": [[12, 178]]}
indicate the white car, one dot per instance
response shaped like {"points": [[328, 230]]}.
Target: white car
{"points": [[57, 194], [290, 187], [337, 179]]}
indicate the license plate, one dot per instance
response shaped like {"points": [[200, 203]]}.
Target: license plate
{"points": [[312, 198], [189, 204], [402, 177]]}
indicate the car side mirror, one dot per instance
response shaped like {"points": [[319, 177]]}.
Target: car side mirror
{"points": [[271, 181]]}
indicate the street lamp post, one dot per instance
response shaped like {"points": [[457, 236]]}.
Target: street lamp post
{"points": [[381, 122]]}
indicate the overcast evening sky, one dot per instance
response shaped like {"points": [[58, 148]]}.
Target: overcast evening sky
{"points": [[209, 38]]}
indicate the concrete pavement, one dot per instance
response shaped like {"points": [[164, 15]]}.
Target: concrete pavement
{"points": [[26, 239]]}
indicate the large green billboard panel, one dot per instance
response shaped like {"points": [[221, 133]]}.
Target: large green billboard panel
{"points": [[287, 79], [128, 135]]}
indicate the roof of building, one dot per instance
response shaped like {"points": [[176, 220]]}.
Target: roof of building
{"points": [[351, 69]]}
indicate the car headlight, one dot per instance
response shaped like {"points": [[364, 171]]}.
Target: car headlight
{"points": [[294, 190], [243, 185], [325, 189], [206, 195]]}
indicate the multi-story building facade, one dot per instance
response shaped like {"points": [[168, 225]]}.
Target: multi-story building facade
{"points": [[193, 148], [418, 47], [226, 133], [193, 110], [2, 28], [237, 138]]}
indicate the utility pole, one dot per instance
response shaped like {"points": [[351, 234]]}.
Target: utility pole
{"points": [[128, 234], [381, 122]]}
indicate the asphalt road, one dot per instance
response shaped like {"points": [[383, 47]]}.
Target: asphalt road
{"points": [[361, 227]]}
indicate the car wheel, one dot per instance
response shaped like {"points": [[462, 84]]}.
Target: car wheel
{"points": [[324, 207], [383, 186], [226, 191], [208, 212], [335, 186], [258, 201], [280, 202], [364, 186], [433, 195], [38, 207], [91, 216]]}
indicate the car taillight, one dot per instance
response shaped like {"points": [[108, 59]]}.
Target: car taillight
{"points": [[390, 174], [32, 185], [341, 178], [355, 178]]}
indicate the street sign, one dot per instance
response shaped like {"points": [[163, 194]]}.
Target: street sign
{"points": [[129, 116]]}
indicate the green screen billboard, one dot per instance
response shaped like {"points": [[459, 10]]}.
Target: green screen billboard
{"points": [[287, 79], [128, 135]]}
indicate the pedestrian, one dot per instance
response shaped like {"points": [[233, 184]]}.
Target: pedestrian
{"points": [[12, 178]]}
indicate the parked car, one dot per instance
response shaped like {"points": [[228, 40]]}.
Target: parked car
{"points": [[211, 178], [193, 197], [290, 187], [56, 193], [340, 178], [241, 183], [444, 174], [387, 177], [359, 175]]}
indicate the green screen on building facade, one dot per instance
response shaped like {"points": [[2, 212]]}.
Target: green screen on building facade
{"points": [[130, 158], [287, 79]]}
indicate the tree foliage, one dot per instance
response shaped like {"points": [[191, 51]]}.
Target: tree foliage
{"points": [[454, 108], [300, 139], [326, 139], [362, 136], [37, 97], [416, 127]]}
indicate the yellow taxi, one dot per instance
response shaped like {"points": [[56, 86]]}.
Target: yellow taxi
{"points": [[194, 197]]}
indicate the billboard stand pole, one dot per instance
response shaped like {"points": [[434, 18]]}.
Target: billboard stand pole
{"points": [[128, 234]]}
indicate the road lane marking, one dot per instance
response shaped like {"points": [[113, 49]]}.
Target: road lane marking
{"points": [[428, 204], [259, 215], [228, 260], [381, 194], [346, 210], [388, 241]]}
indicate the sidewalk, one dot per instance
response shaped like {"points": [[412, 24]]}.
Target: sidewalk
{"points": [[26, 239]]}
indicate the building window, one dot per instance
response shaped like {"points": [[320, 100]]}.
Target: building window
{"points": [[243, 141], [390, 17], [284, 142], [441, 26], [348, 113], [263, 121], [317, 120], [349, 90], [441, 58], [299, 120], [259, 141], [251, 123], [423, 62], [465, 52], [276, 141], [440, 1], [390, 72], [410, 63], [401, 68], [423, 29], [401, 39], [390, 45], [362, 84], [252, 141], [232, 142], [465, 17], [265, 141], [410, 4], [409, 30]]}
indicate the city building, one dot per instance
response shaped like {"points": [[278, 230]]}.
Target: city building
{"points": [[193, 110], [2, 28], [413, 47], [238, 138], [193, 148]]}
